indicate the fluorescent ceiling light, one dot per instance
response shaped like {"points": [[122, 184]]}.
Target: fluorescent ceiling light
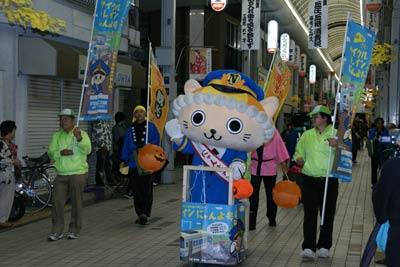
{"points": [[361, 13]]}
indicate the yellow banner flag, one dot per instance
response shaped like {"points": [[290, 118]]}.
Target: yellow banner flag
{"points": [[278, 83], [159, 104]]}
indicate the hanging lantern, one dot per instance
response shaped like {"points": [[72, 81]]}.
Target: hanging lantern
{"points": [[303, 65], [285, 46], [292, 53], [313, 74], [297, 55], [272, 36]]}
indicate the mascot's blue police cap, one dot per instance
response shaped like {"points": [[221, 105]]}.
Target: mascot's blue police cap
{"points": [[218, 74]]}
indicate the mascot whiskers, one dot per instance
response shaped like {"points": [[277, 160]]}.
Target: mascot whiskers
{"points": [[218, 123]]}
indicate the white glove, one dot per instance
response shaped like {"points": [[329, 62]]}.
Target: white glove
{"points": [[173, 129], [239, 169]]}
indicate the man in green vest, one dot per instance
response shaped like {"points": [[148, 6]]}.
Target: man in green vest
{"points": [[311, 154], [68, 149]]}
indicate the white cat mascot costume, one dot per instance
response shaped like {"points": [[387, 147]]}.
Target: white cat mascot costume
{"points": [[218, 123]]}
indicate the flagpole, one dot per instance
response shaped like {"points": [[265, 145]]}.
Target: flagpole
{"points": [[148, 92], [269, 71], [334, 120], [84, 85]]}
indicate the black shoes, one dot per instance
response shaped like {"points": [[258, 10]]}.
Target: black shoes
{"points": [[141, 220], [272, 223]]}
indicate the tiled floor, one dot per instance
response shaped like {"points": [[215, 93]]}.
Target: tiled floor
{"points": [[110, 237]]}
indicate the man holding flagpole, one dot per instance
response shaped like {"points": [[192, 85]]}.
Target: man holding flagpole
{"points": [[312, 153], [141, 133]]}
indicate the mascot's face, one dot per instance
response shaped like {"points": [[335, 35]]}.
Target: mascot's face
{"points": [[228, 119], [220, 126]]}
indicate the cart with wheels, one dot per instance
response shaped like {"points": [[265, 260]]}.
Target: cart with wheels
{"points": [[213, 233]]}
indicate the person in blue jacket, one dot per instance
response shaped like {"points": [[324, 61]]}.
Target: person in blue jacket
{"points": [[140, 183]]}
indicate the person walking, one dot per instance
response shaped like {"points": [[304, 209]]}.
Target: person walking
{"points": [[69, 149], [102, 144], [141, 183], [376, 148], [264, 168], [311, 154], [9, 162], [386, 202]]}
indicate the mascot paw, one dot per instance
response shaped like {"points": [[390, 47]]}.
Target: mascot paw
{"points": [[242, 189], [173, 129], [239, 169]]}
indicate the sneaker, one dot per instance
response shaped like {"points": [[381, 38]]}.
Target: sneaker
{"points": [[55, 236], [308, 254], [72, 236], [142, 219], [323, 253]]}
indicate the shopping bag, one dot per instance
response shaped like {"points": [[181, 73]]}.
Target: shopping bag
{"points": [[212, 233], [370, 147], [382, 236]]}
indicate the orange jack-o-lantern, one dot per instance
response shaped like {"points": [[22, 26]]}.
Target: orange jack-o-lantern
{"points": [[151, 158], [286, 194], [242, 189]]}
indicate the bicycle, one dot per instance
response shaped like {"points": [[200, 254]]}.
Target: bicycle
{"points": [[33, 191]]}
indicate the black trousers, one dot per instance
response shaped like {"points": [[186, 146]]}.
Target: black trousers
{"points": [[375, 165], [103, 167], [313, 194], [269, 183], [142, 187]]}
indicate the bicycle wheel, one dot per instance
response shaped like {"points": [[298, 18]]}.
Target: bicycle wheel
{"points": [[39, 193]]}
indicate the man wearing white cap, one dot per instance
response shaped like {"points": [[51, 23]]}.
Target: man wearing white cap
{"points": [[68, 149], [312, 152]]}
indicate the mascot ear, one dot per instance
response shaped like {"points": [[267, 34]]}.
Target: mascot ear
{"points": [[191, 85], [270, 105]]}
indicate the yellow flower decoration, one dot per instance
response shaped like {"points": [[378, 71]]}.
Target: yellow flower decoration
{"points": [[381, 54]]}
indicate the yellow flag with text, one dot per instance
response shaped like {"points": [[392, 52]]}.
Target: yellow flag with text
{"points": [[159, 104]]}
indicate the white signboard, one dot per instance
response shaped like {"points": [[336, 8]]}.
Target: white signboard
{"points": [[297, 54], [292, 53], [251, 10], [313, 74], [372, 20], [318, 24]]}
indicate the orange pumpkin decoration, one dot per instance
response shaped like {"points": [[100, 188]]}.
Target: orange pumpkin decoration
{"points": [[151, 158], [286, 194], [242, 189]]}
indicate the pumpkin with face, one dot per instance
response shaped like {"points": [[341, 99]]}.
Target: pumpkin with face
{"points": [[151, 158], [218, 123]]}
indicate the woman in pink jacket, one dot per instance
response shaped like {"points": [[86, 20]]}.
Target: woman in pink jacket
{"points": [[264, 166]]}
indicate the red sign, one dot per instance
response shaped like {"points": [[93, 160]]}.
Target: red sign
{"points": [[218, 5], [373, 5]]}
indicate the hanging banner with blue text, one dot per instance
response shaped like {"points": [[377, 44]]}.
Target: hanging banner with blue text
{"points": [[317, 24], [356, 62], [251, 10], [109, 21]]}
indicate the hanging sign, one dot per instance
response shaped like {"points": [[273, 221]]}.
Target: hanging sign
{"points": [[303, 65], [218, 5], [313, 74], [318, 24], [251, 10], [272, 42], [292, 53], [373, 5], [297, 55]]}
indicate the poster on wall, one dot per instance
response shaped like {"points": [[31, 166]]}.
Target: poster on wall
{"points": [[109, 21], [357, 58], [199, 62], [317, 24], [251, 10]]}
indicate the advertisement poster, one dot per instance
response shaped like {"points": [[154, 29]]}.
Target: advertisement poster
{"points": [[318, 24], [109, 21], [212, 233], [357, 58], [159, 103], [279, 82], [251, 11], [199, 62]]}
